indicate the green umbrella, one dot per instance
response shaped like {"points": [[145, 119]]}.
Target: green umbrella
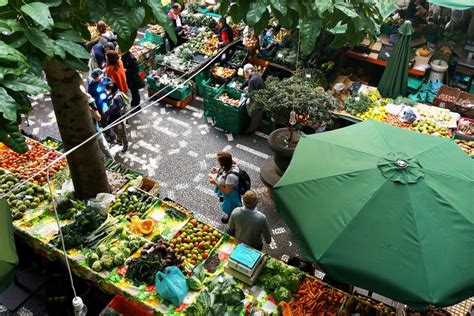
{"points": [[386, 209], [394, 80], [8, 256]]}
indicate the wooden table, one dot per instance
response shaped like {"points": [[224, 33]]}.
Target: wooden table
{"points": [[362, 57]]}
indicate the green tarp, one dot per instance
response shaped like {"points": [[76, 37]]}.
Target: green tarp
{"points": [[8, 256], [385, 209], [454, 4]]}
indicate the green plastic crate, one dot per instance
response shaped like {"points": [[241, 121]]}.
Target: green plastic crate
{"points": [[200, 80], [229, 118], [157, 39], [179, 94], [209, 92], [160, 48]]}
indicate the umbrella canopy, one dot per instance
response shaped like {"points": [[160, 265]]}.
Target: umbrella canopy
{"points": [[454, 4], [8, 256], [394, 80], [386, 209]]}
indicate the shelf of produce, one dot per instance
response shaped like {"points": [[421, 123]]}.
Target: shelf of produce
{"points": [[169, 220], [355, 55]]}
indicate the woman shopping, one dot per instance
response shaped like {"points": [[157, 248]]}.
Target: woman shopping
{"points": [[114, 70], [226, 181]]}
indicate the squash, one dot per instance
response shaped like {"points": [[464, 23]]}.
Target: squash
{"points": [[146, 226]]}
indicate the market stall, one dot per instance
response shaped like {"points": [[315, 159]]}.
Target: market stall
{"points": [[120, 241]]}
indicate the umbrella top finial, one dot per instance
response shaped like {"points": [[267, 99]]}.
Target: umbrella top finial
{"points": [[401, 164]]}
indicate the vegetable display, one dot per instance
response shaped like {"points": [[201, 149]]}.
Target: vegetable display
{"points": [[280, 279], [116, 181], [222, 72], [114, 250], [154, 258], [195, 240], [366, 306], [430, 127], [133, 202], [67, 208], [357, 104], [175, 214], [195, 280], [316, 298], [85, 222], [222, 296], [466, 146], [228, 100]]}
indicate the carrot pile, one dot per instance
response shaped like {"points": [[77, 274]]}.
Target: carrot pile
{"points": [[316, 298]]}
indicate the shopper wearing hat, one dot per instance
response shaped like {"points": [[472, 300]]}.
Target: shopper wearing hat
{"points": [[253, 83], [249, 225], [96, 89]]}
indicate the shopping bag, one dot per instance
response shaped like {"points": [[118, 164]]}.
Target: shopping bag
{"points": [[171, 285]]}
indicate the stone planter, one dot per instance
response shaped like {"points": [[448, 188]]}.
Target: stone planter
{"points": [[274, 167]]}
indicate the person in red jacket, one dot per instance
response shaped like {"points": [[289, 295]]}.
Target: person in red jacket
{"points": [[114, 70]]}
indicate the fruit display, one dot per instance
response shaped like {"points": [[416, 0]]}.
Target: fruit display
{"points": [[132, 202], [28, 196], [209, 47], [466, 127], [316, 298], [224, 98], [440, 116], [139, 226], [156, 29], [222, 72], [395, 121], [279, 279], [153, 258], [51, 143], [140, 52], [195, 240], [466, 146], [114, 251], [37, 158], [430, 127], [423, 51], [378, 113], [116, 181]]}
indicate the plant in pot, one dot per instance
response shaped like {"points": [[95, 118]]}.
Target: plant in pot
{"points": [[297, 102]]}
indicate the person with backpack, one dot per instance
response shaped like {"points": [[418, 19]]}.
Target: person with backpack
{"points": [[230, 183], [106, 36], [117, 102], [248, 224]]}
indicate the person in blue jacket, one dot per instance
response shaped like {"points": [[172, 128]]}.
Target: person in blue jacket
{"points": [[98, 55], [97, 90]]}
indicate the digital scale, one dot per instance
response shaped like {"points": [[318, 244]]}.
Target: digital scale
{"points": [[245, 264]]}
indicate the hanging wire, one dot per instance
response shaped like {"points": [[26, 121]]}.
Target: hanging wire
{"points": [[125, 117]]}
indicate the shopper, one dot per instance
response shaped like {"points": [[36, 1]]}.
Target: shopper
{"points": [[226, 36], [96, 118], [253, 83], [179, 27], [249, 225], [116, 103], [98, 53], [106, 36], [115, 70], [226, 181], [134, 81], [96, 89]]}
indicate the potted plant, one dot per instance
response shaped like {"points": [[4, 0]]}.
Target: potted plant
{"points": [[297, 102]]}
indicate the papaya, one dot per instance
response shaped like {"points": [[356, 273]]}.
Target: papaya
{"points": [[146, 226]]}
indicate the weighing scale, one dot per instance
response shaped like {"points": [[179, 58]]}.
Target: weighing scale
{"points": [[245, 264]]}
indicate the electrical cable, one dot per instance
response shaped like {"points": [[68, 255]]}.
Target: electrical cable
{"points": [[125, 117]]}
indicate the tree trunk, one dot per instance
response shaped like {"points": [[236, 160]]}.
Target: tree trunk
{"points": [[75, 125]]}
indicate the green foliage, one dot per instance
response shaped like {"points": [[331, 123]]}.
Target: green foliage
{"points": [[311, 18], [297, 93], [357, 104], [32, 32]]}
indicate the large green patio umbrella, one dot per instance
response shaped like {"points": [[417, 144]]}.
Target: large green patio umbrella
{"points": [[394, 80], [8, 256], [385, 209]]}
